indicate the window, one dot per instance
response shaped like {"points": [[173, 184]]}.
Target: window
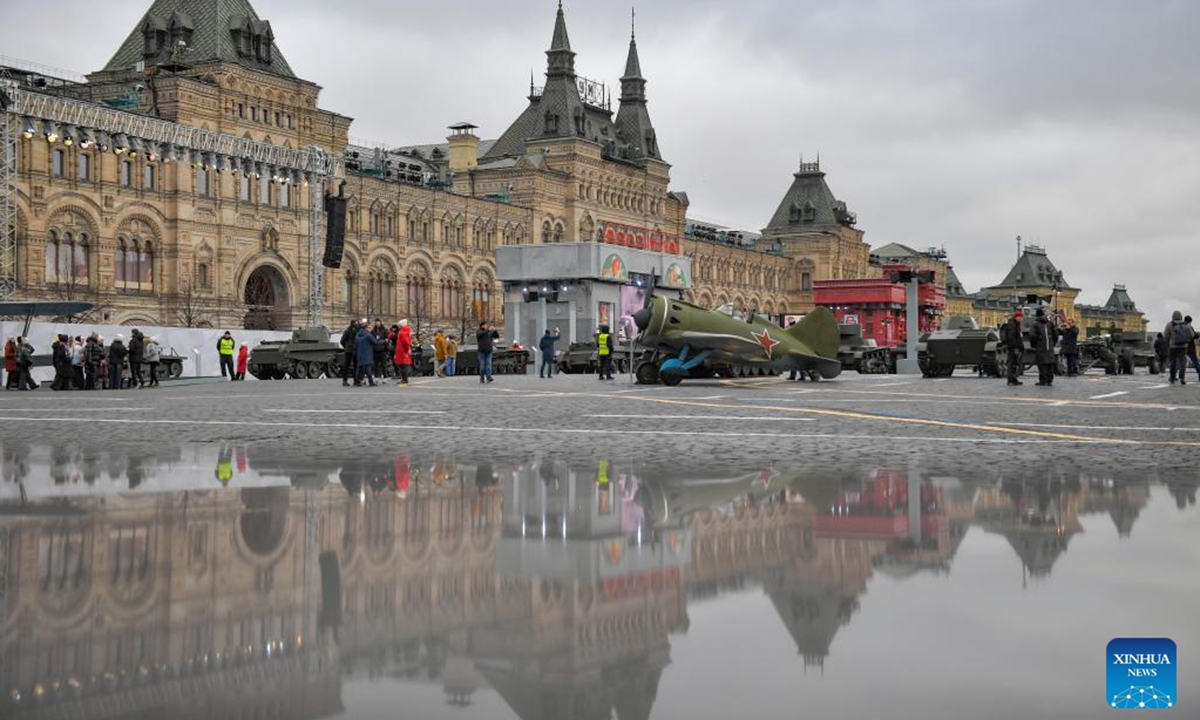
{"points": [[202, 275], [126, 173], [60, 559], [202, 181], [67, 257], [254, 114], [285, 195], [381, 289], [128, 555], [85, 167], [134, 264], [348, 288], [264, 191], [277, 117], [57, 158], [244, 188], [241, 111], [148, 177], [289, 122], [806, 281]]}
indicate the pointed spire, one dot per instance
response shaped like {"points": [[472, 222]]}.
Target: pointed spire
{"points": [[633, 68], [560, 60], [560, 40]]}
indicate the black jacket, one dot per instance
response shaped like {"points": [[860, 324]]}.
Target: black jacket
{"points": [[546, 346], [116, 355], [486, 340], [1070, 340], [1011, 334], [1045, 337], [135, 348]]}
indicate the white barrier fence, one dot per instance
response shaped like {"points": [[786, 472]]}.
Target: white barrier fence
{"points": [[197, 345]]}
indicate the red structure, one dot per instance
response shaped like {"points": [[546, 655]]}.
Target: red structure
{"points": [[878, 305]]}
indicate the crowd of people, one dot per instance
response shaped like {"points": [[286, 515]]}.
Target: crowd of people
{"points": [[87, 364], [374, 352]]}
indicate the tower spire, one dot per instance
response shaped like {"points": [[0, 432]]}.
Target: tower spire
{"points": [[633, 85], [560, 60]]}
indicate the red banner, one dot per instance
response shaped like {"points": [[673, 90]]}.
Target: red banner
{"points": [[641, 238]]}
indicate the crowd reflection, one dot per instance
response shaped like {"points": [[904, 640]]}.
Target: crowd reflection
{"points": [[228, 581]]}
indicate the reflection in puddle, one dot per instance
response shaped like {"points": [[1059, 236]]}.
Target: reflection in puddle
{"points": [[224, 581]]}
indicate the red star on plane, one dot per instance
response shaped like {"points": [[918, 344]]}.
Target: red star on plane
{"points": [[768, 343]]}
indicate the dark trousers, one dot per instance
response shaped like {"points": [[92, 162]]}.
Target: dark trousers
{"points": [[547, 367], [347, 366], [153, 374], [89, 377], [62, 378], [1045, 373], [485, 365], [10, 382], [1195, 363], [1072, 363], [405, 371], [25, 380], [226, 366], [1178, 360], [606, 367], [77, 376], [361, 372], [1016, 365]]}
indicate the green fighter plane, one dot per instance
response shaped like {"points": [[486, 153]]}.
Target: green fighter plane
{"points": [[687, 338]]}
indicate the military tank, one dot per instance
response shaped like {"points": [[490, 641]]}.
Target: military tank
{"points": [[860, 355], [1118, 353], [308, 354], [960, 342], [505, 361]]}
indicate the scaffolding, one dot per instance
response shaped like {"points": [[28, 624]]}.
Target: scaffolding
{"points": [[8, 198], [230, 151]]}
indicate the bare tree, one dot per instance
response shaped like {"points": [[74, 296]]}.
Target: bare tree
{"points": [[191, 310], [419, 310], [72, 288]]}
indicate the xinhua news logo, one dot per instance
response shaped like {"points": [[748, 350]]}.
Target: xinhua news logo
{"points": [[1141, 674]]}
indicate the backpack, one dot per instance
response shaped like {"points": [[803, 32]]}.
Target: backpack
{"points": [[1181, 334]]}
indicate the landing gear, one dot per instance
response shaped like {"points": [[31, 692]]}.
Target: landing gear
{"points": [[670, 376], [647, 373]]}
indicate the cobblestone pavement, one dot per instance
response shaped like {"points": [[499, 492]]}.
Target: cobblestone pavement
{"points": [[1128, 421]]}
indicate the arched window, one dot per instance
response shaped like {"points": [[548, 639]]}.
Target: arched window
{"points": [[447, 231], [558, 232], [451, 294], [481, 296], [202, 275], [545, 231], [349, 278], [381, 289], [134, 262], [52, 257], [67, 251], [417, 291]]}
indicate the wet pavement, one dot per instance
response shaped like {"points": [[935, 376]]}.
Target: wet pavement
{"points": [[757, 550]]}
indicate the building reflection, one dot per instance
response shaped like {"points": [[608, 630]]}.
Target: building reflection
{"points": [[223, 581]]}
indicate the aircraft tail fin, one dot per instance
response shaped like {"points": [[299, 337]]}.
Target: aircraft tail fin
{"points": [[818, 330]]}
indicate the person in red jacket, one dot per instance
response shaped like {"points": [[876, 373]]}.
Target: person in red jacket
{"points": [[242, 361], [11, 368], [403, 357]]}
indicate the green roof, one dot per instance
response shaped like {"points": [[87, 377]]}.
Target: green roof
{"points": [[213, 26], [1033, 270]]}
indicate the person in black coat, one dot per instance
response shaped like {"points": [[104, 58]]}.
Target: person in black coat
{"points": [[116, 362], [136, 357], [485, 341], [349, 337], [1045, 338], [1014, 343], [546, 347], [1070, 348], [61, 358]]}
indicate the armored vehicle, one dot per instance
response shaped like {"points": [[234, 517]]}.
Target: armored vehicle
{"points": [[1118, 353], [308, 354], [859, 355], [583, 357], [960, 342], [504, 361]]}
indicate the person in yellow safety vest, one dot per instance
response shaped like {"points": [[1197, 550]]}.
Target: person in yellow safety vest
{"points": [[604, 350], [225, 346], [224, 471], [602, 473]]}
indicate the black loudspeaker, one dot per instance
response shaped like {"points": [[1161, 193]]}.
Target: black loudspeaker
{"points": [[331, 591], [335, 231]]}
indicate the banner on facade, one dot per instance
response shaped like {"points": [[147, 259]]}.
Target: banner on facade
{"points": [[640, 238]]}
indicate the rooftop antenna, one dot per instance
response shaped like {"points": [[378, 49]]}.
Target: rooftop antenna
{"points": [[531, 82], [1018, 247], [632, 23]]}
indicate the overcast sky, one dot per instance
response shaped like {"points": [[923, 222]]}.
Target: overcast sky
{"points": [[955, 123]]}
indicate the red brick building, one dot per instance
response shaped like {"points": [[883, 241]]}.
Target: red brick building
{"points": [[879, 305]]}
